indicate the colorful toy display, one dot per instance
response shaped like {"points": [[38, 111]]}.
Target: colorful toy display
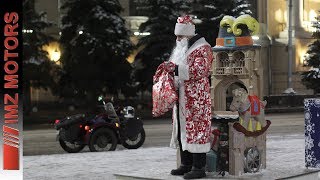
{"points": [[242, 134]]}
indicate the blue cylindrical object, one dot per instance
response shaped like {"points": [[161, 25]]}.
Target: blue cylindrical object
{"points": [[211, 162], [312, 132]]}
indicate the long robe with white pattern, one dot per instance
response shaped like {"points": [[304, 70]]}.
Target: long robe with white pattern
{"points": [[194, 100]]}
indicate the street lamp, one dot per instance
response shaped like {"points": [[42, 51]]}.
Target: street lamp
{"points": [[55, 55], [256, 38], [53, 51]]}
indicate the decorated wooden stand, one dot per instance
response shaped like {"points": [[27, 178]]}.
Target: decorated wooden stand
{"points": [[246, 153], [237, 68]]}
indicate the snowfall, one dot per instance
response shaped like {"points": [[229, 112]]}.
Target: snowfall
{"points": [[285, 158]]}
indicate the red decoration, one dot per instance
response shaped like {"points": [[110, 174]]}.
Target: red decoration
{"points": [[216, 134], [255, 105], [185, 20]]}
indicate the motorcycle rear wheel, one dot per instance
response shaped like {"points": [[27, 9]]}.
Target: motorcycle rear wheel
{"points": [[71, 147], [103, 139], [135, 142]]}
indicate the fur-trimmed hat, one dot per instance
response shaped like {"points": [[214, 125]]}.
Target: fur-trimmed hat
{"points": [[185, 26]]}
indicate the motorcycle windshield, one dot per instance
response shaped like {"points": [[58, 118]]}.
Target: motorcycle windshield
{"points": [[110, 110]]}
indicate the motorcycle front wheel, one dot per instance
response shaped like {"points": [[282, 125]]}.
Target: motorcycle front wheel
{"points": [[135, 142], [70, 147], [103, 139]]}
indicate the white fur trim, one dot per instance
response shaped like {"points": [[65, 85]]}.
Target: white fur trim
{"points": [[198, 148], [200, 42], [182, 115], [174, 137], [183, 71], [184, 29]]}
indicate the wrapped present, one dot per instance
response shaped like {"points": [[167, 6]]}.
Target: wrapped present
{"points": [[312, 132], [163, 91]]}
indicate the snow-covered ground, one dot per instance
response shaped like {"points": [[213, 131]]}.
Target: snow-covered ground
{"points": [[285, 157]]}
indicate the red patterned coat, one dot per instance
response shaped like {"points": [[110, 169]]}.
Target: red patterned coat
{"points": [[194, 100]]}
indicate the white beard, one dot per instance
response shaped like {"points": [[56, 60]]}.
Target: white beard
{"points": [[178, 55]]}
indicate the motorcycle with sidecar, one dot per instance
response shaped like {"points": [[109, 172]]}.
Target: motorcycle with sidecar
{"points": [[101, 132]]}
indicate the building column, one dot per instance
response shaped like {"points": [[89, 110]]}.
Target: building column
{"points": [[300, 32], [297, 29], [262, 11]]}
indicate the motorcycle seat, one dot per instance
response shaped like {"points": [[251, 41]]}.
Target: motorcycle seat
{"points": [[112, 117]]}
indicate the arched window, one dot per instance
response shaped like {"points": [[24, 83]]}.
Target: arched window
{"points": [[223, 59], [238, 59]]}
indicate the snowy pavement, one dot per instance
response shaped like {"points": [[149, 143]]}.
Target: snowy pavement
{"points": [[285, 157]]}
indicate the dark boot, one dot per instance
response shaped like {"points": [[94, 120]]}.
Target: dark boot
{"points": [[195, 173], [181, 170], [186, 164], [198, 164], [199, 160]]}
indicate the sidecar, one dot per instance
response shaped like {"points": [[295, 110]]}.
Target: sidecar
{"points": [[70, 132]]}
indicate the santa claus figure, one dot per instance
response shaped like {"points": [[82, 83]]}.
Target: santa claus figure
{"points": [[190, 61]]}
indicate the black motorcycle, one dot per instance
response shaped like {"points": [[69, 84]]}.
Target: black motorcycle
{"points": [[101, 132]]}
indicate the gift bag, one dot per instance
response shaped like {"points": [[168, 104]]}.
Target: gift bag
{"points": [[312, 132], [163, 92]]}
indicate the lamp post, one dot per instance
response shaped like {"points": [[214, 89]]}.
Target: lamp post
{"points": [[290, 46], [290, 51]]}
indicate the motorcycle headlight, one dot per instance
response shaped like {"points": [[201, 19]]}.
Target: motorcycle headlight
{"points": [[128, 112]]}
